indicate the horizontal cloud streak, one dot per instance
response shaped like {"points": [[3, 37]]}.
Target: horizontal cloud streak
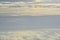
{"points": [[22, 8]]}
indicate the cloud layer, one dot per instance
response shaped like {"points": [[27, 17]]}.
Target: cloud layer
{"points": [[30, 35], [22, 8]]}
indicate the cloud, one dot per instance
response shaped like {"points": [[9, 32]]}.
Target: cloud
{"points": [[30, 35], [38, 0], [27, 9]]}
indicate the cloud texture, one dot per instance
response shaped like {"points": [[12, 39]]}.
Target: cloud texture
{"points": [[22, 8], [31, 35]]}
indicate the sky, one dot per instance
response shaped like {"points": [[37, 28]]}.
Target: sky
{"points": [[29, 0], [15, 18], [14, 0], [29, 22]]}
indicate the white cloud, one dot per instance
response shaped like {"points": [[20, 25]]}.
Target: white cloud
{"points": [[38, 0], [21, 9], [31, 35]]}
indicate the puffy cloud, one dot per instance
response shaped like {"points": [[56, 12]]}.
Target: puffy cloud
{"points": [[31, 35]]}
